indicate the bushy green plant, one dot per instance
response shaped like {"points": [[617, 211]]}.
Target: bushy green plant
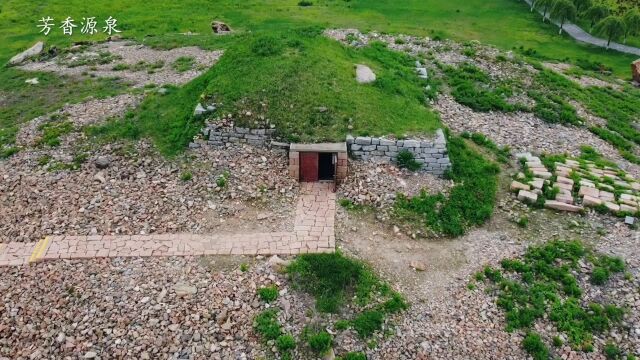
{"points": [[186, 176], [285, 342], [341, 325], [321, 342], [612, 352], [557, 341], [267, 325], [366, 323], [599, 276], [222, 179], [533, 345], [406, 160], [7, 152], [268, 293], [305, 3]]}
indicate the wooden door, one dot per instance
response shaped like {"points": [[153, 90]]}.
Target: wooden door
{"points": [[309, 166]]}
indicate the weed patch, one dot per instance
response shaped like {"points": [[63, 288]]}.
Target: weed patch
{"points": [[470, 201], [183, 64], [542, 284], [266, 324], [334, 279], [406, 160], [470, 86], [268, 293]]}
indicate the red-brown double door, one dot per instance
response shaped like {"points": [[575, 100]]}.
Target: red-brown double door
{"points": [[309, 166]]}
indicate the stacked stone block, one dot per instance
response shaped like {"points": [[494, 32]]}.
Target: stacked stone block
{"points": [[294, 165], [221, 136], [431, 153]]}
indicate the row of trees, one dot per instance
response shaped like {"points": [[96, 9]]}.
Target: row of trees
{"points": [[603, 21]]}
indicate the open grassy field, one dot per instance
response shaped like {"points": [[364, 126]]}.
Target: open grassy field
{"points": [[499, 22]]}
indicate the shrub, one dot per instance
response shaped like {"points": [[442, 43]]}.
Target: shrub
{"points": [[285, 343], [266, 324], [305, 3], [612, 352], [186, 176], [396, 304], [222, 179], [8, 152], [599, 276], [406, 160], [533, 345], [368, 322], [523, 222], [557, 341], [330, 277], [321, 342], [268, 293], [341, 325]]}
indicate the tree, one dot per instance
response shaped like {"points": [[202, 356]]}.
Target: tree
{"points": [[596, 13], [544, 5], [632, 22], [611, 27], [563, 10], [582, 5]]}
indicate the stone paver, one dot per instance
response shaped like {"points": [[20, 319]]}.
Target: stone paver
{"points": [[313, 233]]}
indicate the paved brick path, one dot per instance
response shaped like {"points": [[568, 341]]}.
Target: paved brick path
{"points": [[313, 233]]}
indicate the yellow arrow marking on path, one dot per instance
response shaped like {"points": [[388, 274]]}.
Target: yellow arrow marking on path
{"points": [[39, 250]]}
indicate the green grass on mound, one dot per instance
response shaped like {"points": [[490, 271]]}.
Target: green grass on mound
{"points": [[305, 84]]}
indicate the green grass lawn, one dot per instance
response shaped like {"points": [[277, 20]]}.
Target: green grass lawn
{"points": [[504, 23], [311, 72]]}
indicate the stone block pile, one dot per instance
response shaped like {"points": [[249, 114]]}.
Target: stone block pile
{"points": [[577, 184], [431, 153]]}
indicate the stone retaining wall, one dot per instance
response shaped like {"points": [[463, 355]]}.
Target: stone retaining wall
{"points": [[431, 153], [219, 136]]}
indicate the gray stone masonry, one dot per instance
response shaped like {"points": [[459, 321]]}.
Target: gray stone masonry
{"points": [[432, 153], [221, 136]]}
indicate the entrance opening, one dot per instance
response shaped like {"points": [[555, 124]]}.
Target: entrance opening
{"points": [[326, 166]]}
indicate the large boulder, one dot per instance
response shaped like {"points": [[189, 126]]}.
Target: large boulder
{"points": [[219, 27], [35, 50], [364, 74]]}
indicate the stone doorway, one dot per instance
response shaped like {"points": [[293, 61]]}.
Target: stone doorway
{"points": [[318, 162]]}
